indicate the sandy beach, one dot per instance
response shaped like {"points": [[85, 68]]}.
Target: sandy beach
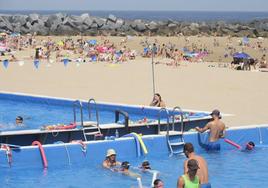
{"points": [[197, 86]]}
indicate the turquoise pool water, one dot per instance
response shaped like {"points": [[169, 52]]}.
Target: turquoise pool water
{"points": [[228, 168]]}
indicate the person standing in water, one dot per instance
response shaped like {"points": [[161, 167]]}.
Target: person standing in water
{"points": [[110, 160], [217, 131], [190, 179], [202, 171]]}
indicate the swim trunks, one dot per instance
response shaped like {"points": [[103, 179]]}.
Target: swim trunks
{"points": [[205, 185], [213, 146]]}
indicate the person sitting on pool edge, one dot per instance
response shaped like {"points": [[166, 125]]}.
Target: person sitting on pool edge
{"points": [[19, 120], [110, 160], [158, 183], [124, 169], [190, 179], [217, 131], [202, 172], [157, 101]]}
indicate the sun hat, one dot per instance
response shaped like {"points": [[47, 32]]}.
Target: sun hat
{"points": [[110, 152]]}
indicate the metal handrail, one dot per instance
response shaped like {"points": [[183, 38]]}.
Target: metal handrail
{"points": [[96, 108], [126, 116], [78, 103], [159, 118], [173, 118]]}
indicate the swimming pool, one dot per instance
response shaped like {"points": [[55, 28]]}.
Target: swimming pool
{"points": [[40, 111], [227, 168]]}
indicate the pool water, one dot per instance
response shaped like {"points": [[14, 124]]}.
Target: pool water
{"points": [[37, 115], [228, 168]]}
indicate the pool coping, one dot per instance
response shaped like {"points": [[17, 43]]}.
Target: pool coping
{"points": [[108, 103]]}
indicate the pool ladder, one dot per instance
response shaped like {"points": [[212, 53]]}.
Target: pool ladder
{"points": [[89, 128], [175, 139]]}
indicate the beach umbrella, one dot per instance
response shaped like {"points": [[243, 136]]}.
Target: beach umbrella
{"points": [[36, 63], [241, 55], [5, 63], [65, 62], [92, 42]]}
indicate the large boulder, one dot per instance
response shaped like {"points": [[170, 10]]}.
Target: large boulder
{"points": [[152, 26], [39, 29], [33, 18], [87, 20], [99, 21], [69, 22], [55, 19], [5, 25], [138, 25], [112, 18], [22, 19]]}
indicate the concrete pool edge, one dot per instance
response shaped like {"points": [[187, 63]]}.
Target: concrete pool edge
{"points": [[100, 102]]}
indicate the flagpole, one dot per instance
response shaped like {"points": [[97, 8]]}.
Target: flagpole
{"points": [[153, 70]]}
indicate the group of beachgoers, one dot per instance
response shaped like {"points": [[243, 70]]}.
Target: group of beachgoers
{"points": [[196, 173], [81, 50]]}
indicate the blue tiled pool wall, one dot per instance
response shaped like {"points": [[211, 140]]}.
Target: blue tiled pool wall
{"points": [[134, 111], [57, 155]]}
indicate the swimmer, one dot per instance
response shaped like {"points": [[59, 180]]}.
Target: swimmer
{"points": [[158, 183], [145, 166], [202, 171], [124, 169], [110, 160], [250, 146], [19, 120], [190, 179]]}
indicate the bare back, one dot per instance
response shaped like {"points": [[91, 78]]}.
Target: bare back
{"points": [[217, 128], [202, 172]]}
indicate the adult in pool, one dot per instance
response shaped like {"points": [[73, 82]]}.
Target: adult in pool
{"points": [[158, 183], [110, 160], [202, 171], [217, 131], [190, 178]]}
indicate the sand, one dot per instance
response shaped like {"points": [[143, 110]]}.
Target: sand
{"points": [[190, 86]]}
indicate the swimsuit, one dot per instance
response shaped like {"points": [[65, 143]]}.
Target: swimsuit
{"points": [[213, 146], [190, 184], [205, 185]]}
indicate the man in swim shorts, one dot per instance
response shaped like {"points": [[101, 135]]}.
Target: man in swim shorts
{"points": [[202, 172], [110, 160], [217, 131]]}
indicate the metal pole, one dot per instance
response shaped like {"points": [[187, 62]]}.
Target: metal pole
{"points": [[153, 70]]}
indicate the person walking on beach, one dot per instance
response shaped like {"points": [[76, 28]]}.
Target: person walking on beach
{"points": [[157, 101], [217, 131], [202, 171], [190, 179]]}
